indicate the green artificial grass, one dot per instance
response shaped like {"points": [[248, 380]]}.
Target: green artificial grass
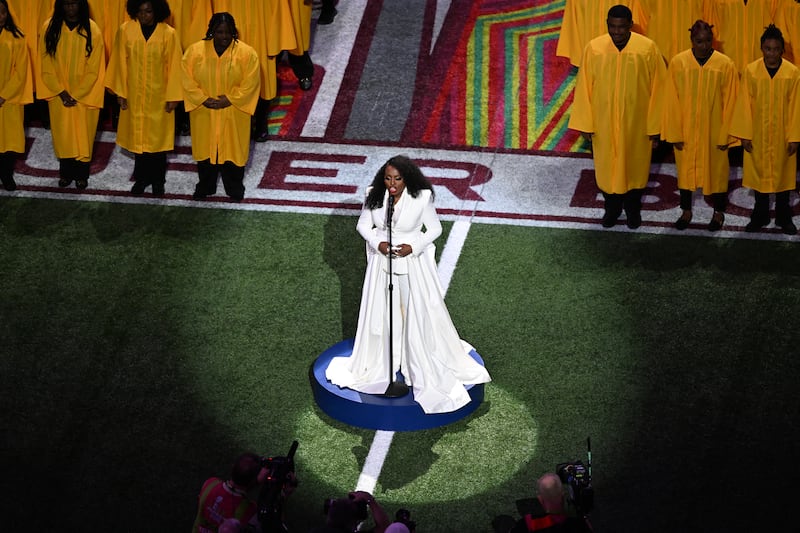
{"points": [[144, 347]]}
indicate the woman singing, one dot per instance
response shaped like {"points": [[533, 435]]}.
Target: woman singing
{"points": [[426, 346]]}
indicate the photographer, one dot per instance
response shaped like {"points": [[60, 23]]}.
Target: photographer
{"points": [[343, 515], [220, 499], [549, 510]]}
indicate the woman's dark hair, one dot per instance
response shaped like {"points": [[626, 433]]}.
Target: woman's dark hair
{"points": [[53, 33], [772, 32], [699, 26], [10, 25], [160, 8], [413, 178], [221, 18]]}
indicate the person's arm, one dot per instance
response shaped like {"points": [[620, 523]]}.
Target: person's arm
{"points": [[433, 227], [379, 515]]}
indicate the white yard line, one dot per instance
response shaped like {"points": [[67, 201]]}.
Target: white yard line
{"points": [[383, 439]]}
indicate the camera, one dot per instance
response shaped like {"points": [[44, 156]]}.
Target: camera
{"points": [[354, 509], [280, 474], [578, 480]]}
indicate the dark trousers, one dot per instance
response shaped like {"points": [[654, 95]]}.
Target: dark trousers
{"points": [[302, 66], [73, 169], [719, 199], [150, 168], [260, 118], [7, 162], [783, 212], [232, 179], [631, 201]]}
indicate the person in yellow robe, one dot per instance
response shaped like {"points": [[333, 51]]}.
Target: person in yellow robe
{"points": [[221, 83], [701, 97], [144, 73], [259, 23], [767, 120], [15, 92], [29, 16], [617, 107], [738, 26], [788, 21], [73, 68], [667, 22], [586, 19], [190, 19]]}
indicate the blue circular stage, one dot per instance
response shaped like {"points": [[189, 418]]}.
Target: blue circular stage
{"points": [[379, 412]]}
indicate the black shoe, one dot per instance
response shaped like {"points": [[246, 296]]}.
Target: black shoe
{"points": [[262, 136], [716, 221], [306, 84], [326, 16], [9, 184], [81, 184], [756, 224], [683, 222], [610, 219], [64, 182], [198, 196], [634, 220], [158, 189], [138, 188], [787, 226]]}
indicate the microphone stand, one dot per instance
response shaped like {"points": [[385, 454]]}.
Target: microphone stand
{"points": [[396, 389]]}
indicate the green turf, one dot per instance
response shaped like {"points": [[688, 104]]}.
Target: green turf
{"points": [[143, 347]]}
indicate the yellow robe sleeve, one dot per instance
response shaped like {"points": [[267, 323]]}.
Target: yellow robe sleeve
{"points": [[16, 80]]}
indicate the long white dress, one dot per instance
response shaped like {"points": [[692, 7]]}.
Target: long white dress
{"points": [[434, 361]]}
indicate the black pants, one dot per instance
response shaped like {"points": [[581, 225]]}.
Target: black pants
{"points": [[150, 168], [7, 162], [302, 66], [73, 169], [783, 212], [232, 179], [260, 117], [720, 200], [631, 201]]}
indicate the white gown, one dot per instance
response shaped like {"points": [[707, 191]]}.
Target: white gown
{"points": [[434, 361]]}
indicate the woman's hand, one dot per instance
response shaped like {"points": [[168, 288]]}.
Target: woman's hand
{"points": [[399, 251]]}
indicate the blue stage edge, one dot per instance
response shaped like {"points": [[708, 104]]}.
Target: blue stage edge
{"points": [[378, 412]]}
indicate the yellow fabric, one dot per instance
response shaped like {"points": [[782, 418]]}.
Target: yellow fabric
{"points": [[667, 22], [190, 19], [29, 16], [788, 20], [220, 134], [738, 27], [586, 19], [109, 15], [73, 128], [255, 26], [618, 98], [15, 89], [301, 23], [767, 113], [698, 111], [148, 74]]}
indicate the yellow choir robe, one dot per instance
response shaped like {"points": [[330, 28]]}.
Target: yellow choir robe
{"points": [[29, 16], [667, 22], [148, 74], [220, 134], [789, 23], [15, 89], [109, 15], [767, 114], [190, 19], [618, 98], [73, 128], [253, 21], [738, 27], [301, 24], [698, 110], [586, 19]]}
